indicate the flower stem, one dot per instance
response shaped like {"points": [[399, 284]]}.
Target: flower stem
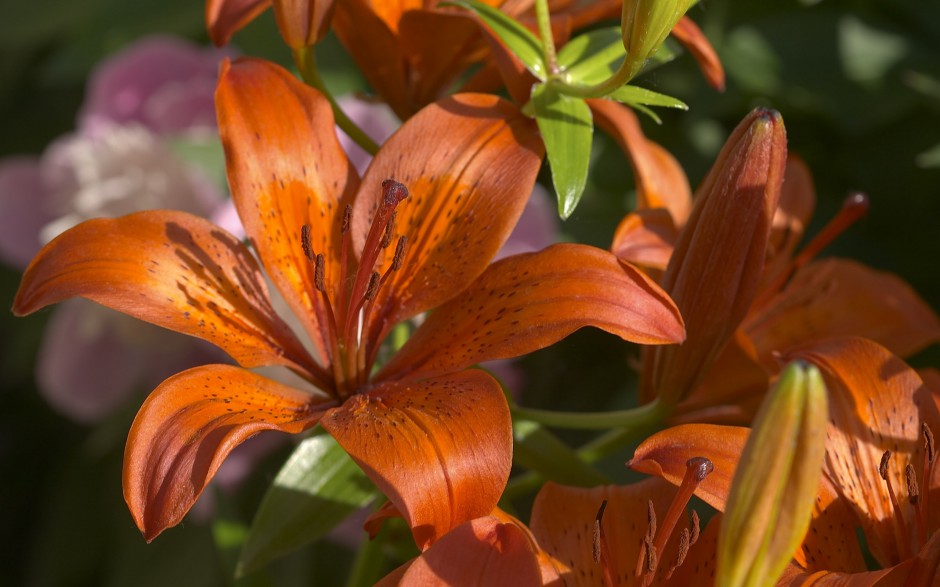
{"points": [[545, 32], [636, 417], [307, 64], [614, 82]]}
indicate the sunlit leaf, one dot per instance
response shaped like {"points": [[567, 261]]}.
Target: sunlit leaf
{"points": [[317, 488], [519, 40], [567, 129], [595, 56]]}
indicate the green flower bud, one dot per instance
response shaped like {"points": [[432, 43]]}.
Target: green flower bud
{"points": [[644, 26], [776, 482]]}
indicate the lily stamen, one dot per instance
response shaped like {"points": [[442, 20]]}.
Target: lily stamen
{"points": [[929, 453], [601, 552], [896, 506]]}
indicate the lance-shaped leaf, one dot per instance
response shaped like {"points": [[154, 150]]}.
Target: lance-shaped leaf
{"points": [[187, 427], [553, 293], [567, 130], [715, 270], [639, 98], [316, 489], [440, 449], [596, 55], [774, 487]]}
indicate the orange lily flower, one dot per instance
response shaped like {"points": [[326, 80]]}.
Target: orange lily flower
{"points": [[433, 436], [879, 473]]}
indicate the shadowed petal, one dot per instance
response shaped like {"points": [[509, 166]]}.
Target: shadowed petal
{"points": [[286, 169], [665, 454], [171, 269], [660, 180], [469, 163], [877, 403], [225, 17], [187, 427], [646, 237], [440, 449], [527, 302], [830, 544], [794, 211], [483, 551], [840, 297]]}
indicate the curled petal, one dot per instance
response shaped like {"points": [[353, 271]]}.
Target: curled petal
{"points": [[646, 237], [666, 453], [794, 211], [440, 449], [489, 551], [660, 181], [469, 163], [171, 269], [688, 33], [527, 302], [225, 17], [187, 427], [286, 169]]}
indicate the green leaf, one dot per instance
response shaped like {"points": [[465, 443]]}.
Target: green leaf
{"points": [[567, 130], [594, 57], [317, 488], [639, 98], [537, 449], [525, 45]]}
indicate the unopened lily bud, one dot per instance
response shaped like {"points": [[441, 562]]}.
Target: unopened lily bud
{"points": [[775, 485], [645, 25], [302, 22], [715, 269]]}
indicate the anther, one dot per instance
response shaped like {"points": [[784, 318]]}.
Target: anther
{"points": [[399, 257], [928, 442], [389, 229], [700, 467], [305, 242], [347, 218], [318, 271], [597, 531], [685, 541], [393, 192], [651, 558], [883, 467], [373, 285], [650, 519], [912, 490], [694, 528]]}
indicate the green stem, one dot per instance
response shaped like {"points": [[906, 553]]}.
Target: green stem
{"points": [[633, 418], [545, 32], [614, 82], [307, 64]]}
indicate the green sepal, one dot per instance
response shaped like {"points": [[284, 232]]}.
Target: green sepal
{"points": [[567, 129], [524, 45], [537, 449], [315, 490]]}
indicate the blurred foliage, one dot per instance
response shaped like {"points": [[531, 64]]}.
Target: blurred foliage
{"points": [[856, 81]]}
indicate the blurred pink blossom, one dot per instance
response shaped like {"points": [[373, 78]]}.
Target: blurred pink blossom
{"points": [[118, 160]]}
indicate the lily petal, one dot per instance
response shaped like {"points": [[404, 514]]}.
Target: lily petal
{"points": [[225, 17], [286, 169], [794, 211], [489, 551], [302, 22], [665, 454], [470, 164], [171, 269], [646, 237], [877, 403], [829, 545], [187, 427], [563, 518], [660, 180], [690, 35], [440, 449], [527, 302], [841, 297]]}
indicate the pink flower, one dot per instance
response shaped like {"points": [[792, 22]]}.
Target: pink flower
{"points": [[119, 160]]}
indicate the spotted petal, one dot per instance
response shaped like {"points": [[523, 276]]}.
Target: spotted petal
{"points": [[440, 449], [469, 162], [171, 269], [286, 169], [187, 427], [527, 302]]}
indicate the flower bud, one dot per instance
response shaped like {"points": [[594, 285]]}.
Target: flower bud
{"points": [[302, 22], [644, 26], [775, 484], [716, 267]]}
